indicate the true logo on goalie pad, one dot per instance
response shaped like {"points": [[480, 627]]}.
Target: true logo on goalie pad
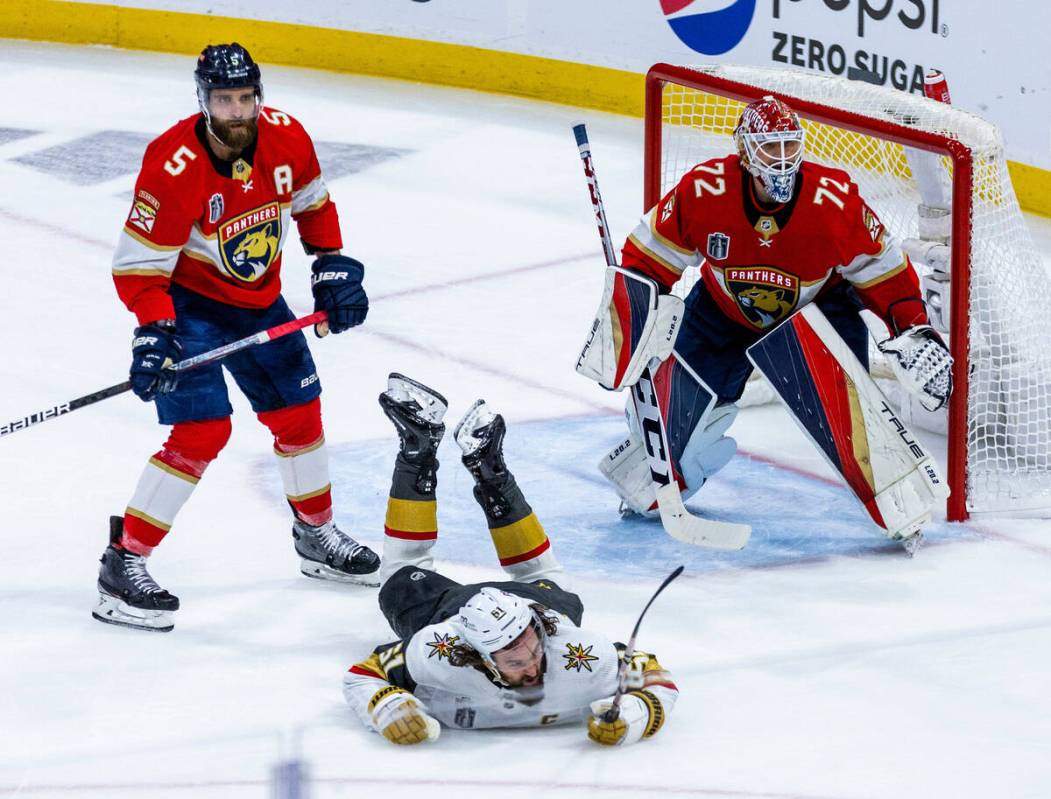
{"points": [[718, 246]]}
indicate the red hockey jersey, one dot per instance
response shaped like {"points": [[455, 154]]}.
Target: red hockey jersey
{"points": [[218, 227], [761, 263]]}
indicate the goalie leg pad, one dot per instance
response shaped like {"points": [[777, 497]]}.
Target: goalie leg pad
{"points": [[840, 409], [633, 325], [704, 452]]}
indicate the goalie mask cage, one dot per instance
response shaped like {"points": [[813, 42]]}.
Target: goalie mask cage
{"points": [[999, 425]]}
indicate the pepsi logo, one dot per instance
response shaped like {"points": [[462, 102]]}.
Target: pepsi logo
{"points": [[711, 32]]}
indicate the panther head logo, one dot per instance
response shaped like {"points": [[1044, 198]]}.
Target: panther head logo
{"points": [[255, 253], [764, 294]]}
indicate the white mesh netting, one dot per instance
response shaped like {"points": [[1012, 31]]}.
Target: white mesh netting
{"points": [[1009, 399]]}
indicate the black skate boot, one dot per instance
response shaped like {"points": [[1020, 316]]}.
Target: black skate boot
{"points": [[480, 434], [417, 412], [330, 554], [128, 596]]}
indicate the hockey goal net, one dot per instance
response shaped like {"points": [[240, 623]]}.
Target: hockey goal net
{"points": [[999, 418]]}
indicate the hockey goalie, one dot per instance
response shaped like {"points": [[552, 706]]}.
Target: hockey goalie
{"points": [[772, 233]]}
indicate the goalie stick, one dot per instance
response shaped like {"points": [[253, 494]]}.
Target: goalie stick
{"points": [[678, 522], [629, 652], [277, 331]]}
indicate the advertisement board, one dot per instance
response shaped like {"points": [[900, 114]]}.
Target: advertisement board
{"points": [[995, 57]]}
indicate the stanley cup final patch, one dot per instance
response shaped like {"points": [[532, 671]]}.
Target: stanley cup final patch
{"points": [[718, 246]]}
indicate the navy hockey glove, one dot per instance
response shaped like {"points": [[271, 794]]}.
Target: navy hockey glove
{"points": [[153, 347], [336, 282]]}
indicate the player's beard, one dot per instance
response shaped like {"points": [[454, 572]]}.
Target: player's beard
{"points": [[235, 134]]}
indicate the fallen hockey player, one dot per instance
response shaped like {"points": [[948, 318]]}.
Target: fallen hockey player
{"points": [[492, 654]]}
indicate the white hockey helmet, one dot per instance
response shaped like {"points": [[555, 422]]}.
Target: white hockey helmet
{"points": [[493, 619], [769, 141]]}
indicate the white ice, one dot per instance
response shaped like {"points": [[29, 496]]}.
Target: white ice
{"points": [[819, 662]]}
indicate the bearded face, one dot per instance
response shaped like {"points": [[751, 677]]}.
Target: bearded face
{"points": [[235, 134], [232, 116]]}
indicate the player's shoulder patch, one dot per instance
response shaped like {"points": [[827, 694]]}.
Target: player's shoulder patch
{"points": [[578, 657], [872, 223], [440, 644]]}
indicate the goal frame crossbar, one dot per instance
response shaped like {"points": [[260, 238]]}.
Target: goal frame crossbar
{"points": [[962, 202]]}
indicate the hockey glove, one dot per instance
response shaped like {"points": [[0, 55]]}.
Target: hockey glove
{"points": [[640, 715], [152, 350], [336, 282], [922, 363], [400, 718]]}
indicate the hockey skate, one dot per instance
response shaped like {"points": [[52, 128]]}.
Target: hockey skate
{"points": [[417, 412], [911, 543], [480, 434], [128, 595], [328, 553]]}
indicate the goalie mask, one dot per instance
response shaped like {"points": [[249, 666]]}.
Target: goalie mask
{"points": [[493, 620], [769, 141]]}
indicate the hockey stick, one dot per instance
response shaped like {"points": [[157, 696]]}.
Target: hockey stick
{"points": [[277, 331], [629, 652], [678, 522]]}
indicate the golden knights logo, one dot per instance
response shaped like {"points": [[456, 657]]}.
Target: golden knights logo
{"points": [[765, 295], [442, 645], [578, 657], [250, 243], [718, 246]]}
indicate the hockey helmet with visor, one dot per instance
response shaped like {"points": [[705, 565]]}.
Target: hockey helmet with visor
{"points": [[769, 141], [227, 66], [496, 624]]}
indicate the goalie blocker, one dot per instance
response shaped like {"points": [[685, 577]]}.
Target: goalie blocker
{"points": [[838, 406], [633, 325]]}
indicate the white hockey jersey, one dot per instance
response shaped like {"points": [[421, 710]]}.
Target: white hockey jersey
{"points": [[579, 667]]}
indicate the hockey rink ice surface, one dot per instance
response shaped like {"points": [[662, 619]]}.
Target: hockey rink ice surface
{"points": [[818, 663]]}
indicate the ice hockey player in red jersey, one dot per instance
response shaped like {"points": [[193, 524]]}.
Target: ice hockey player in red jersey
{"points": [[493, 654], [771, 233], [199, 264]]}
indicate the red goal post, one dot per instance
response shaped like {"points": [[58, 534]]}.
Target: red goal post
{"points": [[864, 129]]}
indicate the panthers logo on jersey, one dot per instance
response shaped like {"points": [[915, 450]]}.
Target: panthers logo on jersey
{"points": [[250, 243], [765, 295]]}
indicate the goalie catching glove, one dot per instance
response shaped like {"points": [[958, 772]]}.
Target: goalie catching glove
{"points": [[400, 718], [633, 325], [922, 363], [640, 715]]}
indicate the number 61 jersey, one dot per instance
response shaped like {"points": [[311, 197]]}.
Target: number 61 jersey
{"points": [[218, 227], [762, 262], [579, 667]]}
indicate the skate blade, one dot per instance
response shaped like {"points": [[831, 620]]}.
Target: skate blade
{"points": [[912, 544], [111, 610], [477, 416], [432, 404], [319, 571]]}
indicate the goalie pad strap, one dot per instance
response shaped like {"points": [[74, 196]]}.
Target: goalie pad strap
{"points": [[633, 325]]}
